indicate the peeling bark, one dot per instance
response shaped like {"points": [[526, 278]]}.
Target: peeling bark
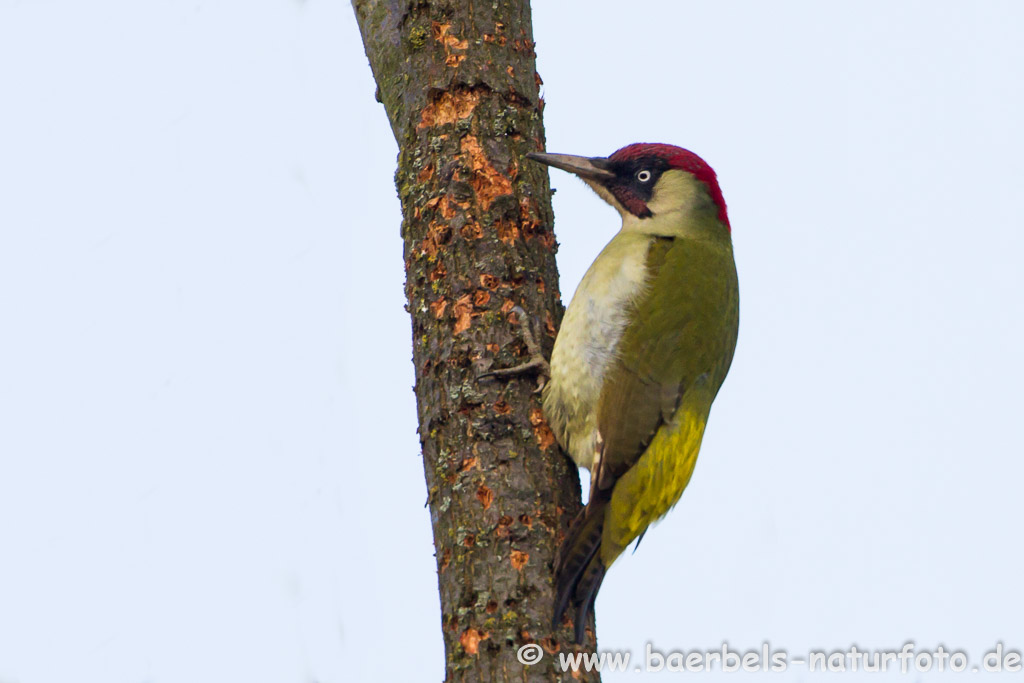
{"points": [[458, 82]]}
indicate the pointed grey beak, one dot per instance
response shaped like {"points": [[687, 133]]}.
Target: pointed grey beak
{"points": [[595, 168]]}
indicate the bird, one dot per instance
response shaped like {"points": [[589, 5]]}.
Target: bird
{"points": [[642, 351]]}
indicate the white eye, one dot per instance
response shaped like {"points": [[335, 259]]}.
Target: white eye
{"points": [[643, 176]]}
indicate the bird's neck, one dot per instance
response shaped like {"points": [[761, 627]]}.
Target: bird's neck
{"points": [[700, 223]]}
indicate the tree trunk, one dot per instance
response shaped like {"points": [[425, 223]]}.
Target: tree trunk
{"points": [[458, 81]]}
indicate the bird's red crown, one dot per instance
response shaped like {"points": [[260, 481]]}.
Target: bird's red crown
{"points": [[682, 159]]}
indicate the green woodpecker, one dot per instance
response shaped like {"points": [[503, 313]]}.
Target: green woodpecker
{"points": [[643, 349]]}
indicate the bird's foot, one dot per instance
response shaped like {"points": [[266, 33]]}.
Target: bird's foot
{"points": [[537, 365]]}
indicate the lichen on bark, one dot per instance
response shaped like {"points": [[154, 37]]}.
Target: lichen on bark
{"points": [[458, 82]]}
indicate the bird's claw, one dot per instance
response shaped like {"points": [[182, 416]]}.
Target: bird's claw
{"points": [[537, 365]]}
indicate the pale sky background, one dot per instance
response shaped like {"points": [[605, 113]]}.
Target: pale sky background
{"points": [[209, 468]]}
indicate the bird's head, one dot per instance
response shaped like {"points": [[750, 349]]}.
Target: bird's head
{"points": [[644, 180]]}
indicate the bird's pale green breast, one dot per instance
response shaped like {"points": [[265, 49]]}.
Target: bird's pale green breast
{"points": [[654, 302], [585, 346]]}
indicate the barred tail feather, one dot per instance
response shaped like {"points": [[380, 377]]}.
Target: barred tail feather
{"points": [[578, 566], [586, 593]]}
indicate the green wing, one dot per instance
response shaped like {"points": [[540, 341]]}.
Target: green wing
{"points": [[683, 331]]}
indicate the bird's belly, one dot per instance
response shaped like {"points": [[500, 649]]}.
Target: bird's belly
{"points": [[587, 343]]}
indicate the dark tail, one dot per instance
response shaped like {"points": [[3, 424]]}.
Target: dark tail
{"points": [[578, 567]]}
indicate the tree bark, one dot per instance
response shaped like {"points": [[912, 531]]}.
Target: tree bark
{"points": [[458, 81]]}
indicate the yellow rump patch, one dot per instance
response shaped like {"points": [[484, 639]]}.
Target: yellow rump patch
{"points": [[654, 484]]}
